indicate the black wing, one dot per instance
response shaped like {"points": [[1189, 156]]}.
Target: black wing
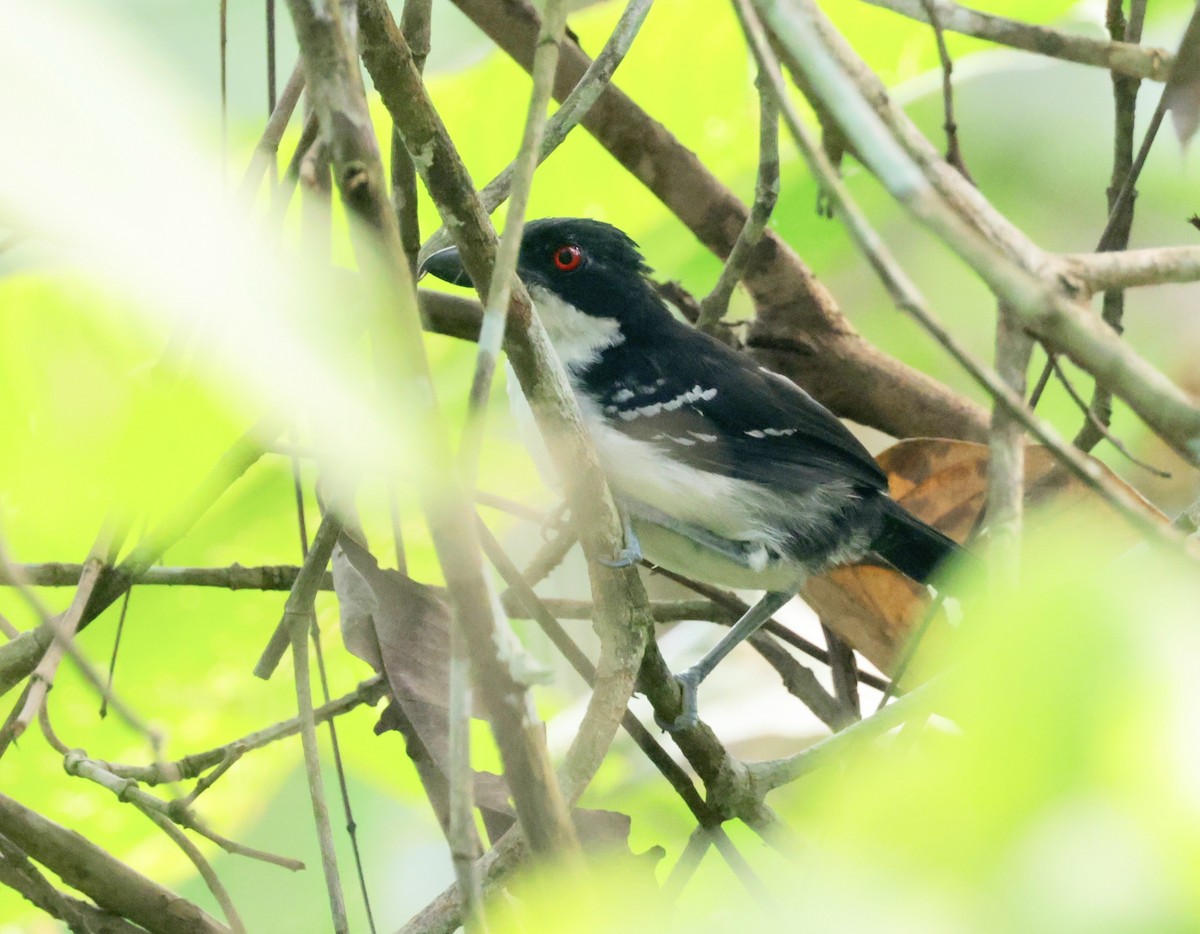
{"points": [[714, 409]]}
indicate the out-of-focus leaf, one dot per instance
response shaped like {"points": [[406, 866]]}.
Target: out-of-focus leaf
{"points": [[418, 722], [402, 628], [943, 482], [1182, 93]]}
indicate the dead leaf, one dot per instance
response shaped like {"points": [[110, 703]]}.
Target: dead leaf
{"points": [[943, 482], [402, 628]]}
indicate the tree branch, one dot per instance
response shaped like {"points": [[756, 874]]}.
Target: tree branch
{"points": [[1119, 57], [105, 880], [799, 330], [340, 103], [1020, 274]]}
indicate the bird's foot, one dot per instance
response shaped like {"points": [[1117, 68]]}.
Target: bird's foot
{"points": [[631, 554], [689, 713]]}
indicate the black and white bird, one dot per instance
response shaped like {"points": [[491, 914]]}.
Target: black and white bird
{"points": [[725, 471]]}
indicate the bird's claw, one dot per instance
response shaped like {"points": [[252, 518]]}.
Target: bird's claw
{"points": [[631, 554], [689, 713], [628, 556]]}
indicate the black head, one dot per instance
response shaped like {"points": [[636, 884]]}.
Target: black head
{"points": [[590, 265]]}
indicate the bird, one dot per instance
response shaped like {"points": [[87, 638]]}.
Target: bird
{"points": [[722, 470]]}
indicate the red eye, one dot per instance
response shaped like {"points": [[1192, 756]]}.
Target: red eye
{"points": [[568, 257]]}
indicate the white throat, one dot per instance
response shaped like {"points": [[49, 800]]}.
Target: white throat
{"points": [[578, 338]]}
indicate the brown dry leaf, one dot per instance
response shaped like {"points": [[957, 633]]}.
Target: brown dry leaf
{"points": [[402, 628], [874, 609]]}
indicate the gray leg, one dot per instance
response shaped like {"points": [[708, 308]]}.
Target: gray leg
{"points": [[632, 552], [743, 629]]}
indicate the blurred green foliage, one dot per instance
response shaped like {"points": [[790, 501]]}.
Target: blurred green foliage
{"points": [[1066, 802]]}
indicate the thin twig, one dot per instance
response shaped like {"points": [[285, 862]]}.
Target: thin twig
{"points": [[1005, 498], [42, 678], [1120, 195], [574, 108], [307, 581], [267, 148], [844, 669], [77, 763], [1119, 57], [198, 763], [685, 867], [495, 310], [1090, 413], [112, 658], [233, 577], [510, 506], [299, 618], [203, 867], [767, 776], [949, 124], [715, 305]]}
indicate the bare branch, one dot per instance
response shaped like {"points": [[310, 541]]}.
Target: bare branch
{"points": [[267, 147], [1006, 459], [576, 104], [300, 619], [766, 192], [909, 299], [307, 582], [799, 331], [1099, 425], [203, 867], [1019, 273], [198, 763], [65, 627], [1119, 57], [1098, 272], [338, 94], [107, 881], [19, 874], [76, 763]]}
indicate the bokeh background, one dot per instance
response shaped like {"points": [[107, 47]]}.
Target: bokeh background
{"points": [[1066, 798]]}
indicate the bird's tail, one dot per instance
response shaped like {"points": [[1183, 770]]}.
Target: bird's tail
{"points": [[915, 549]]}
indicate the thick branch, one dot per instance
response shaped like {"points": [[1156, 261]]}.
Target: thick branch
{"points": [[1098, 272], [105, 880]]}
